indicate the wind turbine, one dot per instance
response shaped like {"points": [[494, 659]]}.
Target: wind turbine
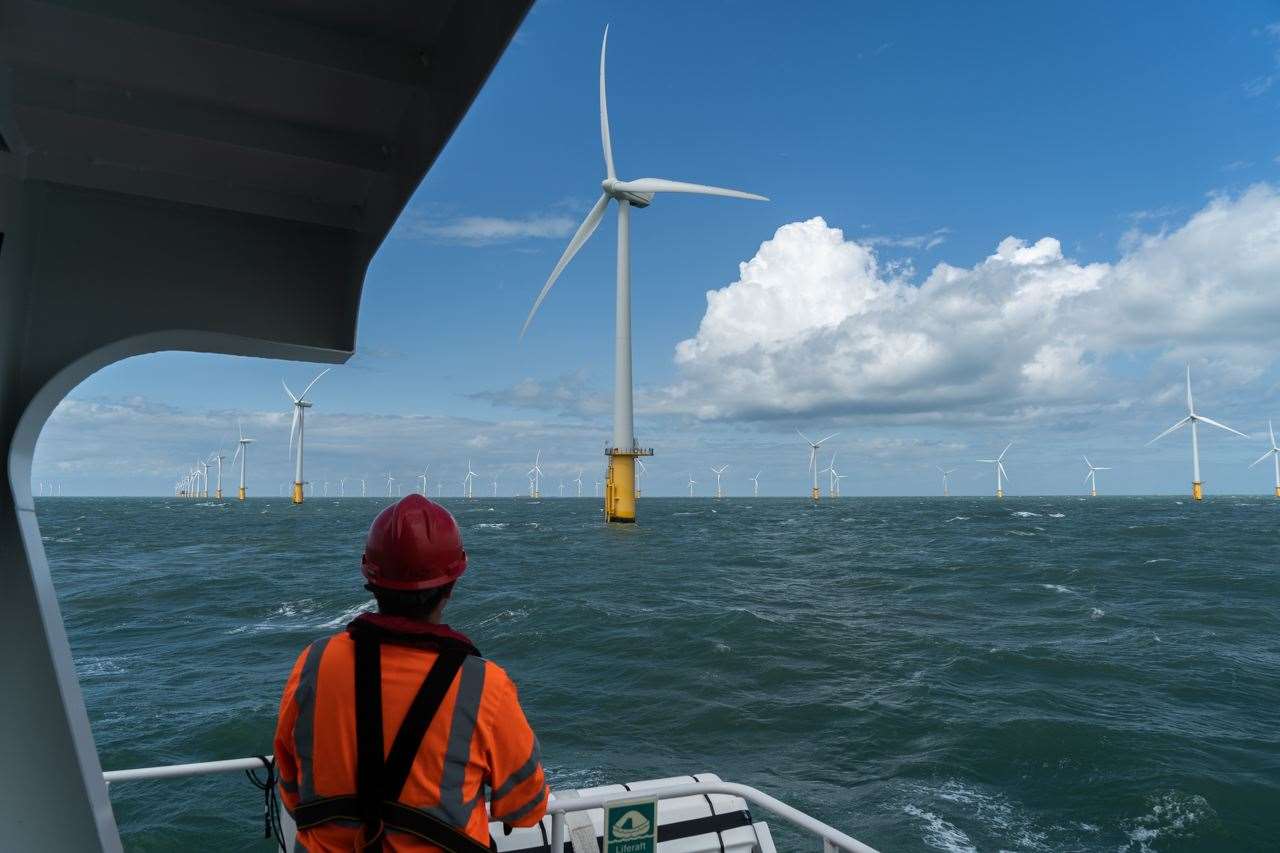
{"points": [[718, 472], [597, 488], [390, 480], [946, 475], [423, 477], [1197, 488], [813, 458], [342, 487], [1001, 475], [242, 451], [495, 486], [692, 483], [578, 481], [468, 481], [1092, 477], [755, 485], [364, 488], [620, 491], [535, 477], [833, 478], [204, 467], [300, 405], [641, 472], [562, 488], [1273, 452], [217, 456]]}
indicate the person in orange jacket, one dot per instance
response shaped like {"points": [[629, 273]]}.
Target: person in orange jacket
{"points": [[391, 731]]}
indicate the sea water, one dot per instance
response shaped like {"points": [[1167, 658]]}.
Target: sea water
{"points": [[1037, 673]]}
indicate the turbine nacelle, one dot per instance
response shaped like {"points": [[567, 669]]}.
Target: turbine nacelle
{"points": [[611, 187]]}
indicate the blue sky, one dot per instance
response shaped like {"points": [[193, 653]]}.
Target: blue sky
{"points": [[1144, 143]]}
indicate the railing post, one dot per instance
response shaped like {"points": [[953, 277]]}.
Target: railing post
{"points": [[557, 832]]}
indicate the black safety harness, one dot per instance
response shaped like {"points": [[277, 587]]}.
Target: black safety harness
{"points": [[379, 783]]}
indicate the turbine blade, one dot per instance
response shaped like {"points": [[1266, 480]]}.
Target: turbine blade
{"points": [[828, 438], [663, 185], [605, 142], [293, 429], [1087, 476], [1261, 458], [1190, 406], [1271, 431], [1006, 449], [802, 435], [584, 232], [1086, 461], [314, 381], [287, 391], [992, 461], [1003, 472], [239, 447], [1182, 422], [1212, 422]]}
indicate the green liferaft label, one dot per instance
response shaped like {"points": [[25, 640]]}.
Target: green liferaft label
{"points": [[631, 826]]}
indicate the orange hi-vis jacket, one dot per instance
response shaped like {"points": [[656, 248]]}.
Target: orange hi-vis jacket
{"points": [[478, 739]]}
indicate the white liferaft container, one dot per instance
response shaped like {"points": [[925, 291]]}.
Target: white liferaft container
{"points": [[702, 823]]}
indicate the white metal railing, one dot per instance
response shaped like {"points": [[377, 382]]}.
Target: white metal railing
{"points": [[832, 838]]}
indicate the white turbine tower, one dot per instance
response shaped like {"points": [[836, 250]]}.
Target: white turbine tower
{"points": [[1197, 489], [578, 481], [422, 475], [390, 480], [535, 477], [755, 485], [300, 405], [833, 478], [946, 478], [692, 483], [1274, 452], [719, 471], [217, 456], [364, 488], [242, 451], [342, 487], [813, 458], [495, 486], [641, 472], [1001, 474], [620, 493], [1092, 477]]}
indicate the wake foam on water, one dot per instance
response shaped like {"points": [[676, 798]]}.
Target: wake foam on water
{"points": [[492, 525], [92, 666], [958, 518], [1097, 613], [1057, 515], [1158, 560], [940, 834], [1021, 533], [1058, 587], [1022, 513], [1173, 815]]}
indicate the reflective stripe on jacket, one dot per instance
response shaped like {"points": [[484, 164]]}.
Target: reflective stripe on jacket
{"points": [[479, 738]]}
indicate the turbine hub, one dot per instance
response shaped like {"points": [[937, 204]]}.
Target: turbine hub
{"points": [[639, 200]]}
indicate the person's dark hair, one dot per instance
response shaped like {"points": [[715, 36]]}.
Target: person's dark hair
{"points": [[415, 604]]}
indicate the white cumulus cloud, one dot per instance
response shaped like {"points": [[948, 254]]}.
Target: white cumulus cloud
{"points": [[816, 324]]}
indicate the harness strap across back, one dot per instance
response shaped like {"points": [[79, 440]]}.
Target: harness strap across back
{"points": [[379, 780]]}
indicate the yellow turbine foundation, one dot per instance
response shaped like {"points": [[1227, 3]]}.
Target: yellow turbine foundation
{"points": [[1093, 492], [240, 493], [297, 493], [620, 488], [1197, 491], [218, 494], [999, 493], [816, 494], [1278, 491]]}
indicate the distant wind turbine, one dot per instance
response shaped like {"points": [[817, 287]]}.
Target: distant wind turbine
{"points": [[755, 485], [242, 451], [1001, 475], [300, 405], [718, 472], [1274, 453], [1092, 477], [217, 456], [423, 477], [813, 458], [946, 475], [535, 476], [578, 482], [1197, 488], [390, 480], [620, 506], [641, 472], [468, 482], [692, 483]]}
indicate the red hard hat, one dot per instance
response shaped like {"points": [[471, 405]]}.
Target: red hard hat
{"points": [[413, 544]]}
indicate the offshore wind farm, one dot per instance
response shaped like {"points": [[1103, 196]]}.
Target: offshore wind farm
{"points": [[738, 501]]}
